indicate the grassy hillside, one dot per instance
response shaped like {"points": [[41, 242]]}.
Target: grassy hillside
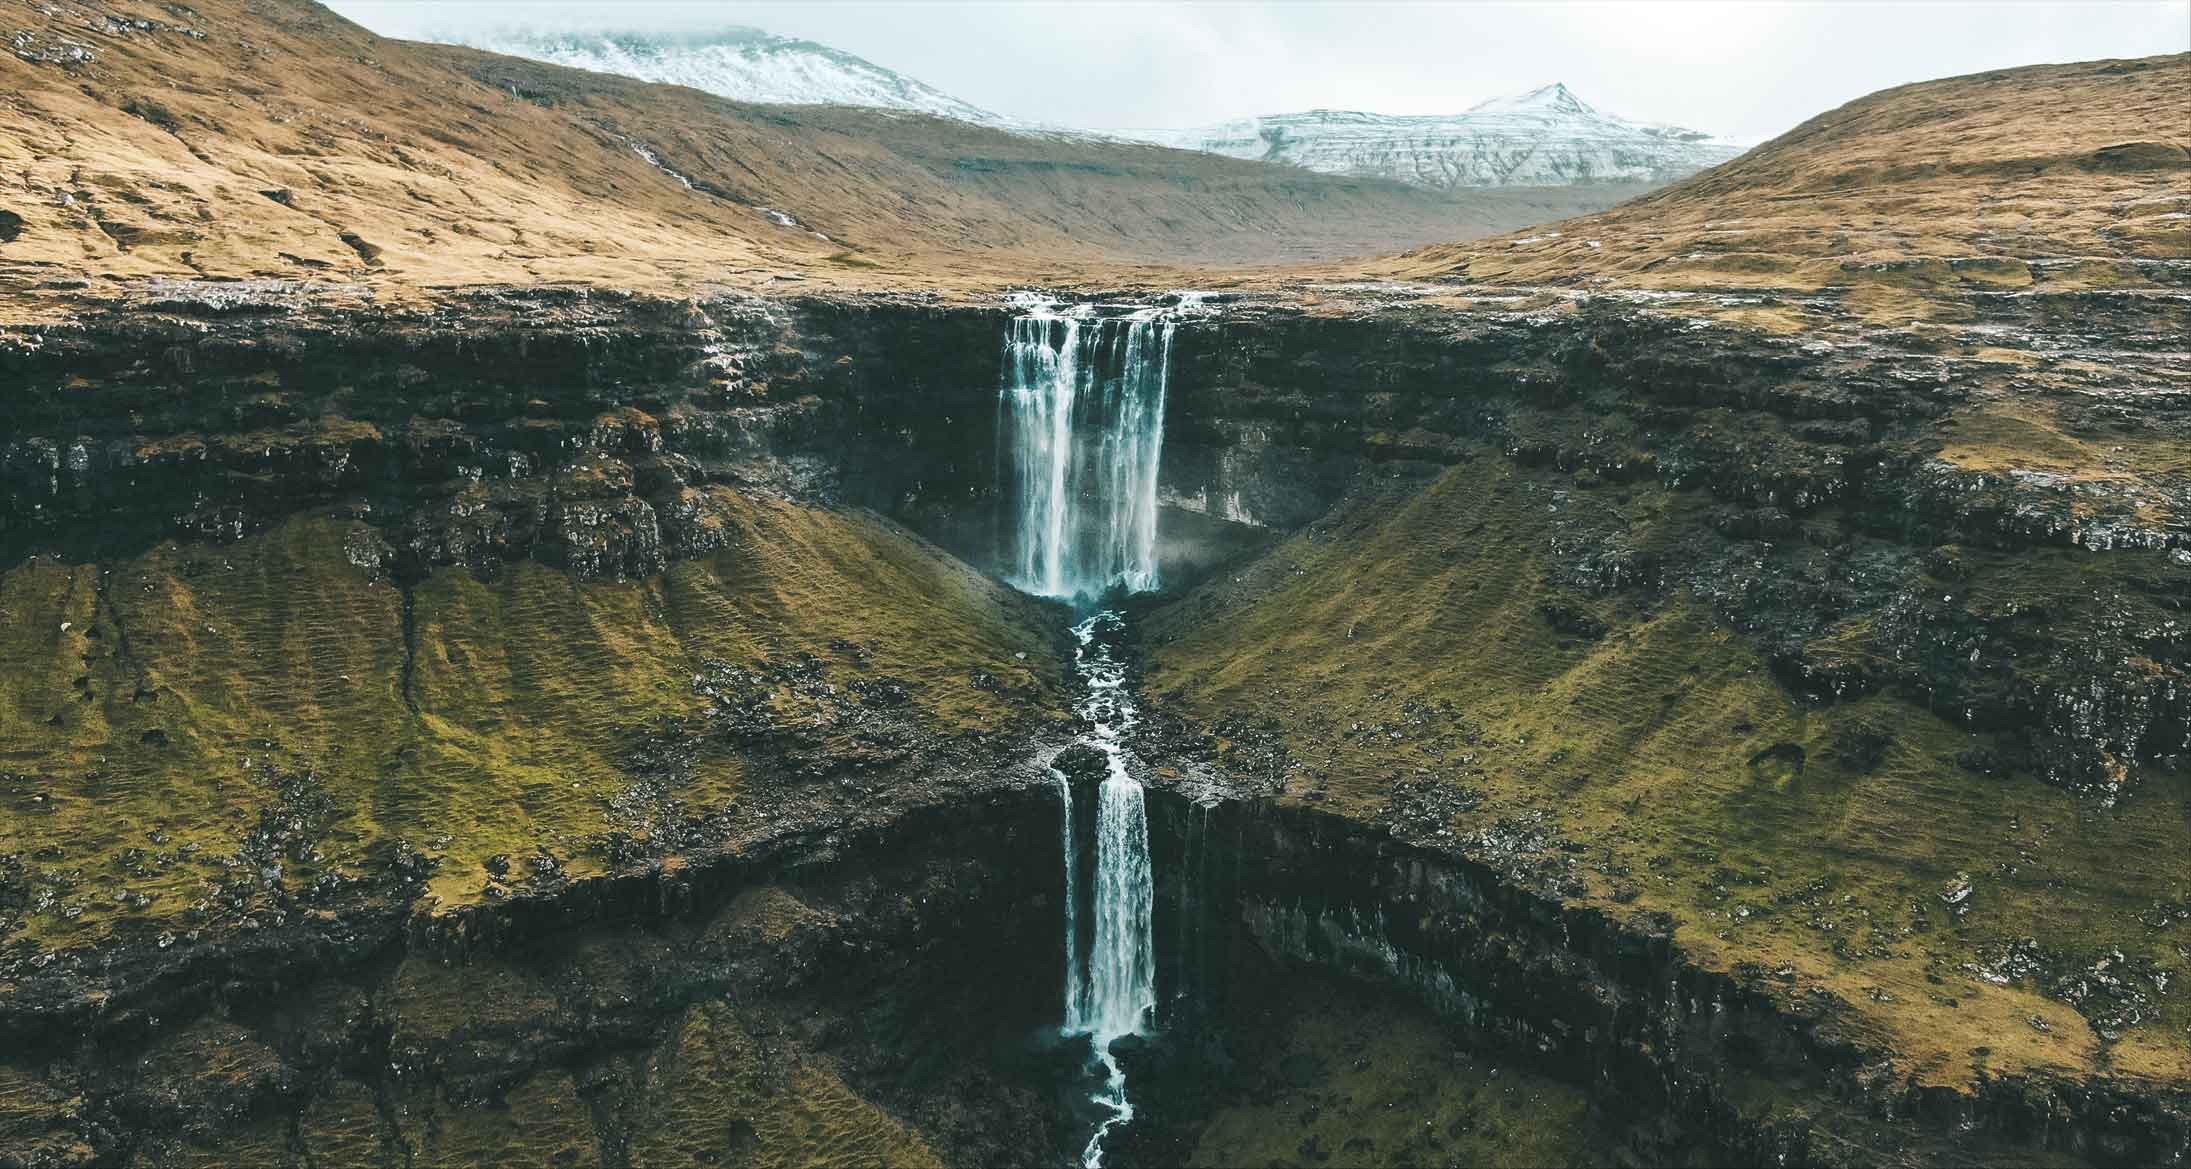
{"points": [[2060, 176], [1426, 660], [270, 138], [202, 735]]}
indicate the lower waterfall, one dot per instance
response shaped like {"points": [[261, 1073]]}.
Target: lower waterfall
{"points": [[1118, 990]]}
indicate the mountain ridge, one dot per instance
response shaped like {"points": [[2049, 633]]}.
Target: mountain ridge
{"points": [[738, 62], [1547, 136], [135, 155]]}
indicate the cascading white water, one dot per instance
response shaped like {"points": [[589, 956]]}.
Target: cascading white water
{"points": [[1119, 990], [1082, 417], [1076, 980]]}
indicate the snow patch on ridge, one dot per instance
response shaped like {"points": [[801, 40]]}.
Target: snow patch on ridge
{"points": [[743, 64], [1546, 137]]}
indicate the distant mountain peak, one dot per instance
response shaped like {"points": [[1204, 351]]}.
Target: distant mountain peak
{"points": [[1546, 137], [734, 61], [1555, 97]]}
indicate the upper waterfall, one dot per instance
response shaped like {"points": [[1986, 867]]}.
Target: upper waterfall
{"points": [[1082, 418]]}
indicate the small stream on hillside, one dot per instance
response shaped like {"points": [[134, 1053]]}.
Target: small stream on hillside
{"points": [[1082, 420]]}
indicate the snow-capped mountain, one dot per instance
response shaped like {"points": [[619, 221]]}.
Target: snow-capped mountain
{"points": [[1546, 137], [744, 64]]}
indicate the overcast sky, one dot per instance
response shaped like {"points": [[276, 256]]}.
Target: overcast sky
{"points": [[1746, 69]]}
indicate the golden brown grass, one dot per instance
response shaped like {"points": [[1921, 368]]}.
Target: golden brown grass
{"points": [[1935, 188], [273, 139]]}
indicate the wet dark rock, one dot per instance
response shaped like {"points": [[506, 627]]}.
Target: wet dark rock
{"points": [[1573, 621], [1760, 523], [1082, 764], [881, 692], [1779, 755], [546, 869], [2113, 992], [1860, 749], [1428, 807], [1956, 894]]}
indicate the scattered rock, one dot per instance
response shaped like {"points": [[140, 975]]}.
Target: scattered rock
{"points": [[1081, 763], [1956, 894], [1572, 620]]}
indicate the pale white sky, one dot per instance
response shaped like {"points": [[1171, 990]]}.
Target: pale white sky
{"points": [[1745, 69]]}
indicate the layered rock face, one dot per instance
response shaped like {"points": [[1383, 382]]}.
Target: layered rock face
{"points": [[559, 427], [321, 611], [843, 1000], [1835, 483], [1685, 1063], [350, 625], [1784, 649], [377, 678]]}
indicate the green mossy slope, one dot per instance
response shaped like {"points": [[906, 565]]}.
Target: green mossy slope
{"points": [[1417, 659], [204, 736], [717, 1085], [1339, 1076]]}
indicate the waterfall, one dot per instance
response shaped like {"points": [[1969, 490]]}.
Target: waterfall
{"points": [[1081, 421], [1117, 993], [1075, 974], [1082, 418]]}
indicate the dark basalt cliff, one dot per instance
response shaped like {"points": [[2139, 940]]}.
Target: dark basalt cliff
{"points": [[668, 549], [1695, 1064], [1779, 649], [790, 1005], [558, 426]]}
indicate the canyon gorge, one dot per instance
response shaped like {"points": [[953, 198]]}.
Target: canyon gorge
{"points": [[514, 656]]}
